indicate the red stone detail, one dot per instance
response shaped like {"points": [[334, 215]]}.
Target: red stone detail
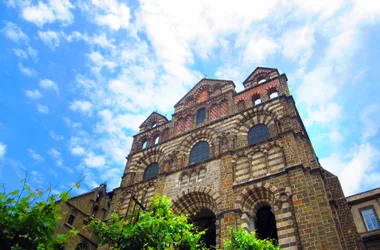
{"points": [[257, 91], [203, 96], [223, 109], [189, 122], [180, 125], [214, 113]]}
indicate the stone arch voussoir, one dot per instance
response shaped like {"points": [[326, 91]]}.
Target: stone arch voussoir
{"points": [[195, 198]]}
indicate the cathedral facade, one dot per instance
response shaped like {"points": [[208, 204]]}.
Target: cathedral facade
{"points": [[239, 159]]}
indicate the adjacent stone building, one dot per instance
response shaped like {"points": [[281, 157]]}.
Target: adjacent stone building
{"points": [[365, 208], [77, 212], [233, 159]]}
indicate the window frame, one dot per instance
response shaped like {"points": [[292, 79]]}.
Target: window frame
{"points": [[363, 219], [69, 219], [261, 132], [199, 154], [156, 173]]}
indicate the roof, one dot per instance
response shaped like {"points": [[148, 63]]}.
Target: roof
{"points": [[260, 68]]}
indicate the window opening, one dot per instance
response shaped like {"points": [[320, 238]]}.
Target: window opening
{"points": [[71, 219], [151, 171], [257, 101], [258, 134], [98, 196], [273, 95], [154, 125], [156, 140], [201, 116], [95, 211], [200, 152], [82, 246], [370, 219], [262, 81], [265, 224], [205, 220], [144, 144]]}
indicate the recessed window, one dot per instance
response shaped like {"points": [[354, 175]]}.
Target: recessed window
{"points": [[71, 219], [95, 211], [151, 171], [257, 101], [262, 81], [156, 140], [154, 125], [201, 116], [145, 143], [273, 95], [258, 134], [200, 152], [82, 246], [370, 219]]}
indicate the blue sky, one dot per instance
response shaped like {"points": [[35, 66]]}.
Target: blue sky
{"points": [[79, 77]]}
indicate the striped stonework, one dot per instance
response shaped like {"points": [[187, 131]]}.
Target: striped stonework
{"points": [[214, 113]]}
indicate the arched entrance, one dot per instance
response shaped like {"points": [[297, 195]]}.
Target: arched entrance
{"points": [[265, 224], [205, 220]]}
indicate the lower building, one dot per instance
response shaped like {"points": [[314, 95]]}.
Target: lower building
{"points": [[365, 208], [76, 213]]}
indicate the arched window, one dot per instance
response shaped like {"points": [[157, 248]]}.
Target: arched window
{"points": [[273, 95], [151, 171], [258, 134], [156, 140], [145, 143], [201, 116], [256, 99], [154, 124], [200, 152], [265, 224], [82, 246]]}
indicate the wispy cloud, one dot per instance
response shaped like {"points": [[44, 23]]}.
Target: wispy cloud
{"points": [[33, 94], [56, 136], [42, 109], [82, 106], [3, 149], [35, 156], [14, 32], [26, 71], [49, 85], [50, 38]]}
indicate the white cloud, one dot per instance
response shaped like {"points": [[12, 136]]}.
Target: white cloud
{"points": [[78, 150], [50, 12], [370, 119], [82, 106], [49, 85], [32, 53], [353, 169], [50, 38], [297, 43], [36, 178], [42, 109], [37, 157], [56, 136], [324, 114], [57, 156], [20, 53], [3, 149], [26, 71], [33, 94], [335, 135], [109, 13], [95, 161], [14, 32]]}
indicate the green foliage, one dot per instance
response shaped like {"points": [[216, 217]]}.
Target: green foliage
{"points": [[27, 220], [242, 240], [156, 228]]}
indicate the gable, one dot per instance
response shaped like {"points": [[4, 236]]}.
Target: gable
{"points": [[202, 91], [260, 73], [154, 118]]}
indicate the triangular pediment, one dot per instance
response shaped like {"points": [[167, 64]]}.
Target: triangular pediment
{"points": [[154, 119], [259, 73], [203, 86]]}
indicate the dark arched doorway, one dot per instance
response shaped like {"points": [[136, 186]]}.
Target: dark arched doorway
{"points": [[265, 224], [205, 220]]}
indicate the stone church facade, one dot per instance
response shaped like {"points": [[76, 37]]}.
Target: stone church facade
{"points": [[232, 159]]}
